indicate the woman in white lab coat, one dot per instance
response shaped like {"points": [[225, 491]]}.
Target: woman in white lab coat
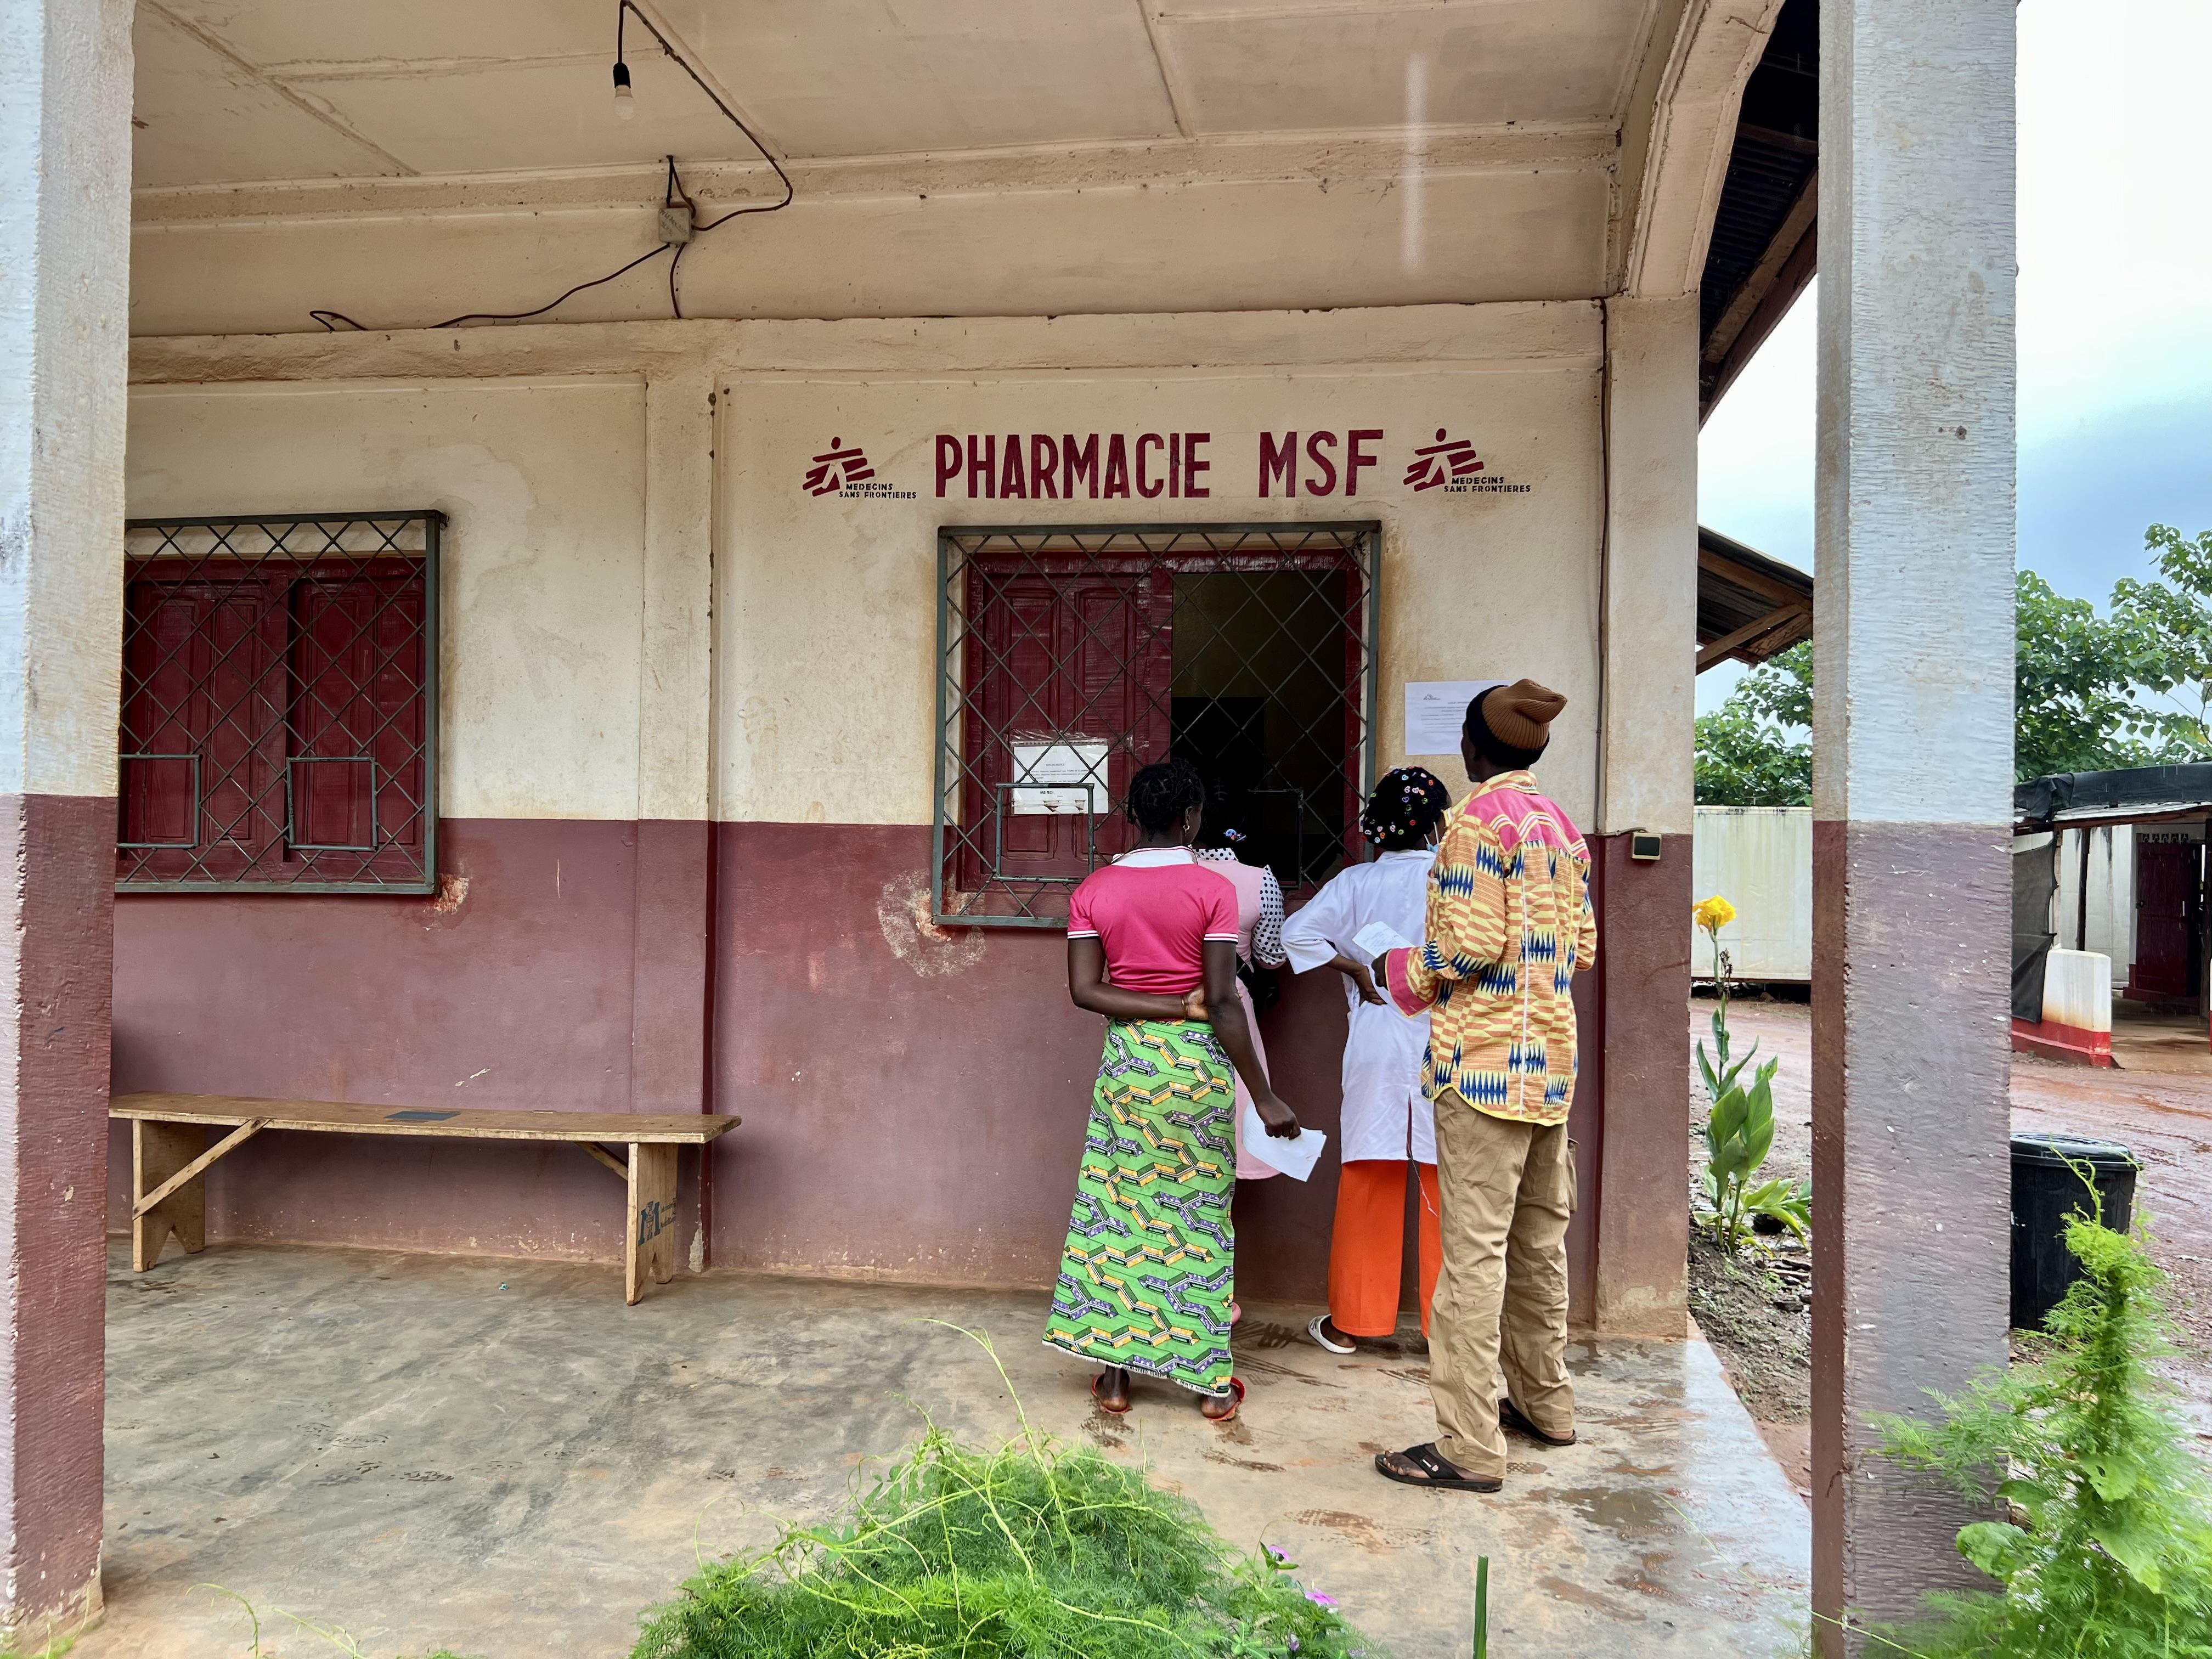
{"points": [[1388, 1130]]}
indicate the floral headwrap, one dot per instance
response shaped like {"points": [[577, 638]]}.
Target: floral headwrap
{"points": [[1408, 801]]}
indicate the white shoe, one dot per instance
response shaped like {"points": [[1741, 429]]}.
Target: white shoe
{"points": [[1314, 1330]]}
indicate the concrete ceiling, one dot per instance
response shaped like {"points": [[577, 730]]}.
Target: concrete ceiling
{"points": [[236, 93]]}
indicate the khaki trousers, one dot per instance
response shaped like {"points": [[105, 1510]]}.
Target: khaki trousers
{"points": [[1508, 1191]]}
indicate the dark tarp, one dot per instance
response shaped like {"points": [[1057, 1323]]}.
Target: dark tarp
{"points": [[2114, 792], [2034, 879]]}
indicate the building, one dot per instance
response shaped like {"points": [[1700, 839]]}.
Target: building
{"points": [[644, 602], [697, 697], [2122, 861]]}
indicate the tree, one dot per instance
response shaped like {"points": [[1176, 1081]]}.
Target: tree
{"points": [[2071, 678], [1756, 749], [2168, 625], [2084, 686]]}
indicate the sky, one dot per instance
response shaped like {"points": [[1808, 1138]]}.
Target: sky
{"points": [[2115, 320]]}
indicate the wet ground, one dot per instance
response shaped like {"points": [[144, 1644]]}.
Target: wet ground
{"points": [[2158, 1104], [500, 1457]]}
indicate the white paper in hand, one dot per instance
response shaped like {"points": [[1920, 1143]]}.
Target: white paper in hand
{"points": [[1295, 1156], [1377, 937]]}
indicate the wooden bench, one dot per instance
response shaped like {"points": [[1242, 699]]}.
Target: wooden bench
{"points": [[169, 1153]]}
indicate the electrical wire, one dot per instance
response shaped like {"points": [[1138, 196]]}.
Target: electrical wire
{"points": [[622, 8], [691, 217], [326, 318], [729, 114], [675, 190]]}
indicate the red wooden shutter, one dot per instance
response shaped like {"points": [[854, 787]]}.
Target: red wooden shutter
{"points": [[356, 731], [1059, 649], [201, 774]]}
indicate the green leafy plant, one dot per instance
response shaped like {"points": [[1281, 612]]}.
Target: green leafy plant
{"points": [[1033, 1549], [1782, 1200], [1740, 1127], [2108, 1552]]}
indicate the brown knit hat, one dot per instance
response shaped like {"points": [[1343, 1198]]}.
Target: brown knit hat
{"points": [[1519, 716]]}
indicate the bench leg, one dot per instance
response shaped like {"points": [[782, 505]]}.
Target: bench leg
{"points": [[652, 1248], [158, 1151]]}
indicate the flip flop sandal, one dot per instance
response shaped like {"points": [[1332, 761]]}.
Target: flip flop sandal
{"points": [[1513, 1421], [1097, 1386], [1315, 1329], [1434, 1472], [1235, 1388]]}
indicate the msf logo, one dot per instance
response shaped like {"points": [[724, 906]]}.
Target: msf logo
{"points": [[1444, 461], [836, 468]]}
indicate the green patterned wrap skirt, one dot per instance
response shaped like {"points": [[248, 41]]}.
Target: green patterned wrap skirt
{"points": [[1146, 1278]]}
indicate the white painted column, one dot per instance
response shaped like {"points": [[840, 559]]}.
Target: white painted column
{"points": [[1912, 786], [65, 264], [1645, 771]]}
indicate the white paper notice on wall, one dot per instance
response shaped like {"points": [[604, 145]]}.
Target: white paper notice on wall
{"points": [[1058, 777], [1435, 711]]}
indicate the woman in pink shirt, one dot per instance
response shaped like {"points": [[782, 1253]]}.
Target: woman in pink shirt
{"points": [[1145, 1280]]}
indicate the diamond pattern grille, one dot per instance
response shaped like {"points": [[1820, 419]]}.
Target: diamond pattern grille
{"points": [[1069, 656], [279, 725]]}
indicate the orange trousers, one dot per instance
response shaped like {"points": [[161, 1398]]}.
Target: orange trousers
{"points": [[1367, 1251]]}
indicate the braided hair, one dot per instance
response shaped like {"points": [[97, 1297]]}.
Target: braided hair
{"points": [[1161, 794], [1406, 805]]}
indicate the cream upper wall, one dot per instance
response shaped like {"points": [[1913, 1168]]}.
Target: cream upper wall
{"points": [[827, 610], [1324, 234], [542, 483], [571, 459]]}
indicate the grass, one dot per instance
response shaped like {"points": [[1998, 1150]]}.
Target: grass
{"points": [[1032, 1550]]}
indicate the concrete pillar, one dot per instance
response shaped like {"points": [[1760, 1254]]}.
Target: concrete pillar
{"points": [[64, 261], [1646, 783], [1912, 735]]}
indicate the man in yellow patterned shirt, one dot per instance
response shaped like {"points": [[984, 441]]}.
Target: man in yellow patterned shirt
{"points": [[1510, 924]]}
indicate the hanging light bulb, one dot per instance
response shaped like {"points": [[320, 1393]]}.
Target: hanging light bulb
{"points": [[625, 105]]}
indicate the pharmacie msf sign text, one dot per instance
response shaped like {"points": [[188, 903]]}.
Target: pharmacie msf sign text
{"points": [[1032, 466]]}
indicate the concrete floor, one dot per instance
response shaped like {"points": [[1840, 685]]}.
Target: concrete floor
{"points": [[499, 1456]]}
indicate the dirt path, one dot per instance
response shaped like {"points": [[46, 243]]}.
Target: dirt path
{"points": [[2164, 1118]]}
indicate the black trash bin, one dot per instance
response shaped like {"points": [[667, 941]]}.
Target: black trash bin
{"points": [[2046, 1188]]}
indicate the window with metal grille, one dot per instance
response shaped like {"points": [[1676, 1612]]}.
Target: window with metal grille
{"points": [[1069, 656], [280, 704]]}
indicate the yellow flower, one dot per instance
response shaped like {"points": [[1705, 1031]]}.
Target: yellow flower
{"points": [[1715, 913]]}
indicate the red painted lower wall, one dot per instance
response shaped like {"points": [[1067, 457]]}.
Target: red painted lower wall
{"points": [[514, 987], [914, 1098]]}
